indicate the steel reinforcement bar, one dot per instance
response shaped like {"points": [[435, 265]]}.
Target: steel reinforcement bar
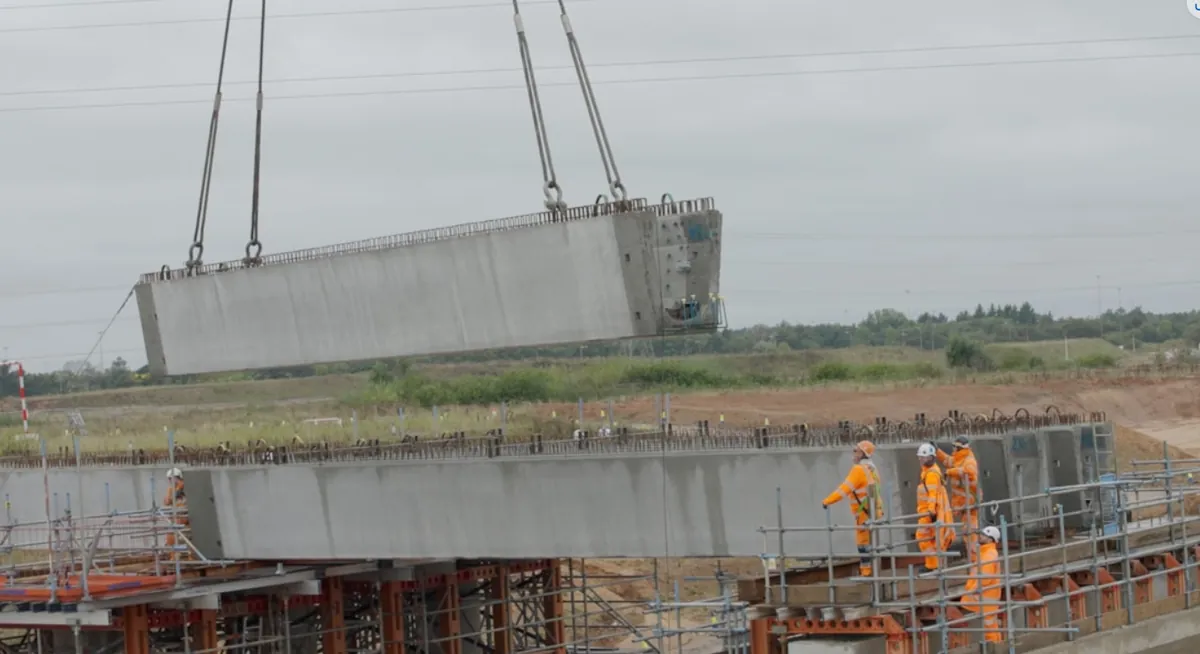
{"points": [[670, 438], [666, 208]]}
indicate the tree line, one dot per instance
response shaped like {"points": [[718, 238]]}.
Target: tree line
{"points": [[1007, 323]]}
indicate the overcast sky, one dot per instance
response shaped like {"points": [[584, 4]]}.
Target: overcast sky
{"points": [[931, 186]]}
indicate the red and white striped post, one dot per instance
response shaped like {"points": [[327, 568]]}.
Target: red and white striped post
{"points": [[21, 387]]}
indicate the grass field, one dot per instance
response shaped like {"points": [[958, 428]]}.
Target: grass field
{"points": [[468, 394]]}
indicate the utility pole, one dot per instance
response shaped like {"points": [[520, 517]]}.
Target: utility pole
{"points": [[1099, 306]]}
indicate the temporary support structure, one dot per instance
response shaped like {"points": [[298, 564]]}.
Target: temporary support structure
{"points": [[1058, 589]]}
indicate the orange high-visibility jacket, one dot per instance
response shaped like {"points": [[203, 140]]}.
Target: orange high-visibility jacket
{"points": [[933, 504], [176, 498], [861, 487], [962, 473], [981, 590]]}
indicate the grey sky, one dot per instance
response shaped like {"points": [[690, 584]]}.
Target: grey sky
{"points": [[944, 157]]}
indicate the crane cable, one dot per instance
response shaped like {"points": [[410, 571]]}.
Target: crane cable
{"points": [[550, 187], [589, 98], [254, 246], [196, 251]]}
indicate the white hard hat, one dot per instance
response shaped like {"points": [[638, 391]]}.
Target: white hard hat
{"points": [[174, 473], [992, 533], [926, 449]]}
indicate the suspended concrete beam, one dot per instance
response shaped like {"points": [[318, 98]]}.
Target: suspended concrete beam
{"points": [[633, 505], [603, 272]]}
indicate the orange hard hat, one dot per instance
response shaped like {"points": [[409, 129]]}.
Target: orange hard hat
{"points": [[866, 447]]}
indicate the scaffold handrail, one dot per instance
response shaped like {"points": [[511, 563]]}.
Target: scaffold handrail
{"points": [[1168, 532]]}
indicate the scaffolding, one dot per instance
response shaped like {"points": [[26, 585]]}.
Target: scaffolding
{"points": [[1059, 588], [113, 583]]}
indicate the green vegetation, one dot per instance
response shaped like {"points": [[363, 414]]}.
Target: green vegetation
{"points": [[1007, 338]]}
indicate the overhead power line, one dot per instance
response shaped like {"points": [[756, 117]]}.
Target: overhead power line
{"points": [[58, 291], [78, 3], [645, 80], [860, 260], [72, 355], [982, 237], [62, 323], [928, 292], [612, 64], [371, 11]]}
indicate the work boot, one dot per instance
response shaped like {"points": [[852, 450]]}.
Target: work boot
{"points": [[926, 571]]}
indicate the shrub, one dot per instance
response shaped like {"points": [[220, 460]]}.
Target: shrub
{"points": [[961, 353], [1097, 360], [831, 371]]}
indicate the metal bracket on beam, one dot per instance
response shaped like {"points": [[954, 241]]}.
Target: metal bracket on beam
{"points": [[33, 620]]}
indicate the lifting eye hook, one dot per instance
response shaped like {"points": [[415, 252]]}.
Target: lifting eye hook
{"points": [[554, 196], [253, 253], [618, 191], [194, 254]]}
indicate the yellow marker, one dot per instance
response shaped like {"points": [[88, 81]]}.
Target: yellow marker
{"points": [[767, 421], [553, 414], [722, 418], [663, 415], [602, 413]]}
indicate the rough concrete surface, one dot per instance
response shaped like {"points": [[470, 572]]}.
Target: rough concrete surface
{"points": [[1177, 633], [695, 504], [597, 278]]}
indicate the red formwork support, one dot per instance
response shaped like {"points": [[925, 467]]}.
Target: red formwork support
{"points": [[1110, 595], [449, 620], [501, 613], [391, 605], [1143, 591], [204, 631], [1036, 617], [333, 616], [556, 626], [766, 634], [137, 629], [1174, 570]]}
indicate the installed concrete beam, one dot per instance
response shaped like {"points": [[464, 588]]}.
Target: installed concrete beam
{"points": [[595, 274], [650, 505]]}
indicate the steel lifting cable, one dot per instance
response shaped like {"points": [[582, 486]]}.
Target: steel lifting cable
{"points": [[254, 246], [196, 251], [550, 187], [589, 98]]}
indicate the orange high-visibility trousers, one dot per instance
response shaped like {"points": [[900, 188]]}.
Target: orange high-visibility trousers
{"points": [[927, 541], [991, 622], [971, 519], [862, 538]]}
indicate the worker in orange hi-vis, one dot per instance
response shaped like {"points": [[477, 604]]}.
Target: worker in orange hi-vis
{"points": [[175, 503], [962, 475], [861, 487], [983, 588], [935, 532]]}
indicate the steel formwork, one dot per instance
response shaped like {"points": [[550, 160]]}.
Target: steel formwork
{"points": [[501, 607], [1062, 587]]}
